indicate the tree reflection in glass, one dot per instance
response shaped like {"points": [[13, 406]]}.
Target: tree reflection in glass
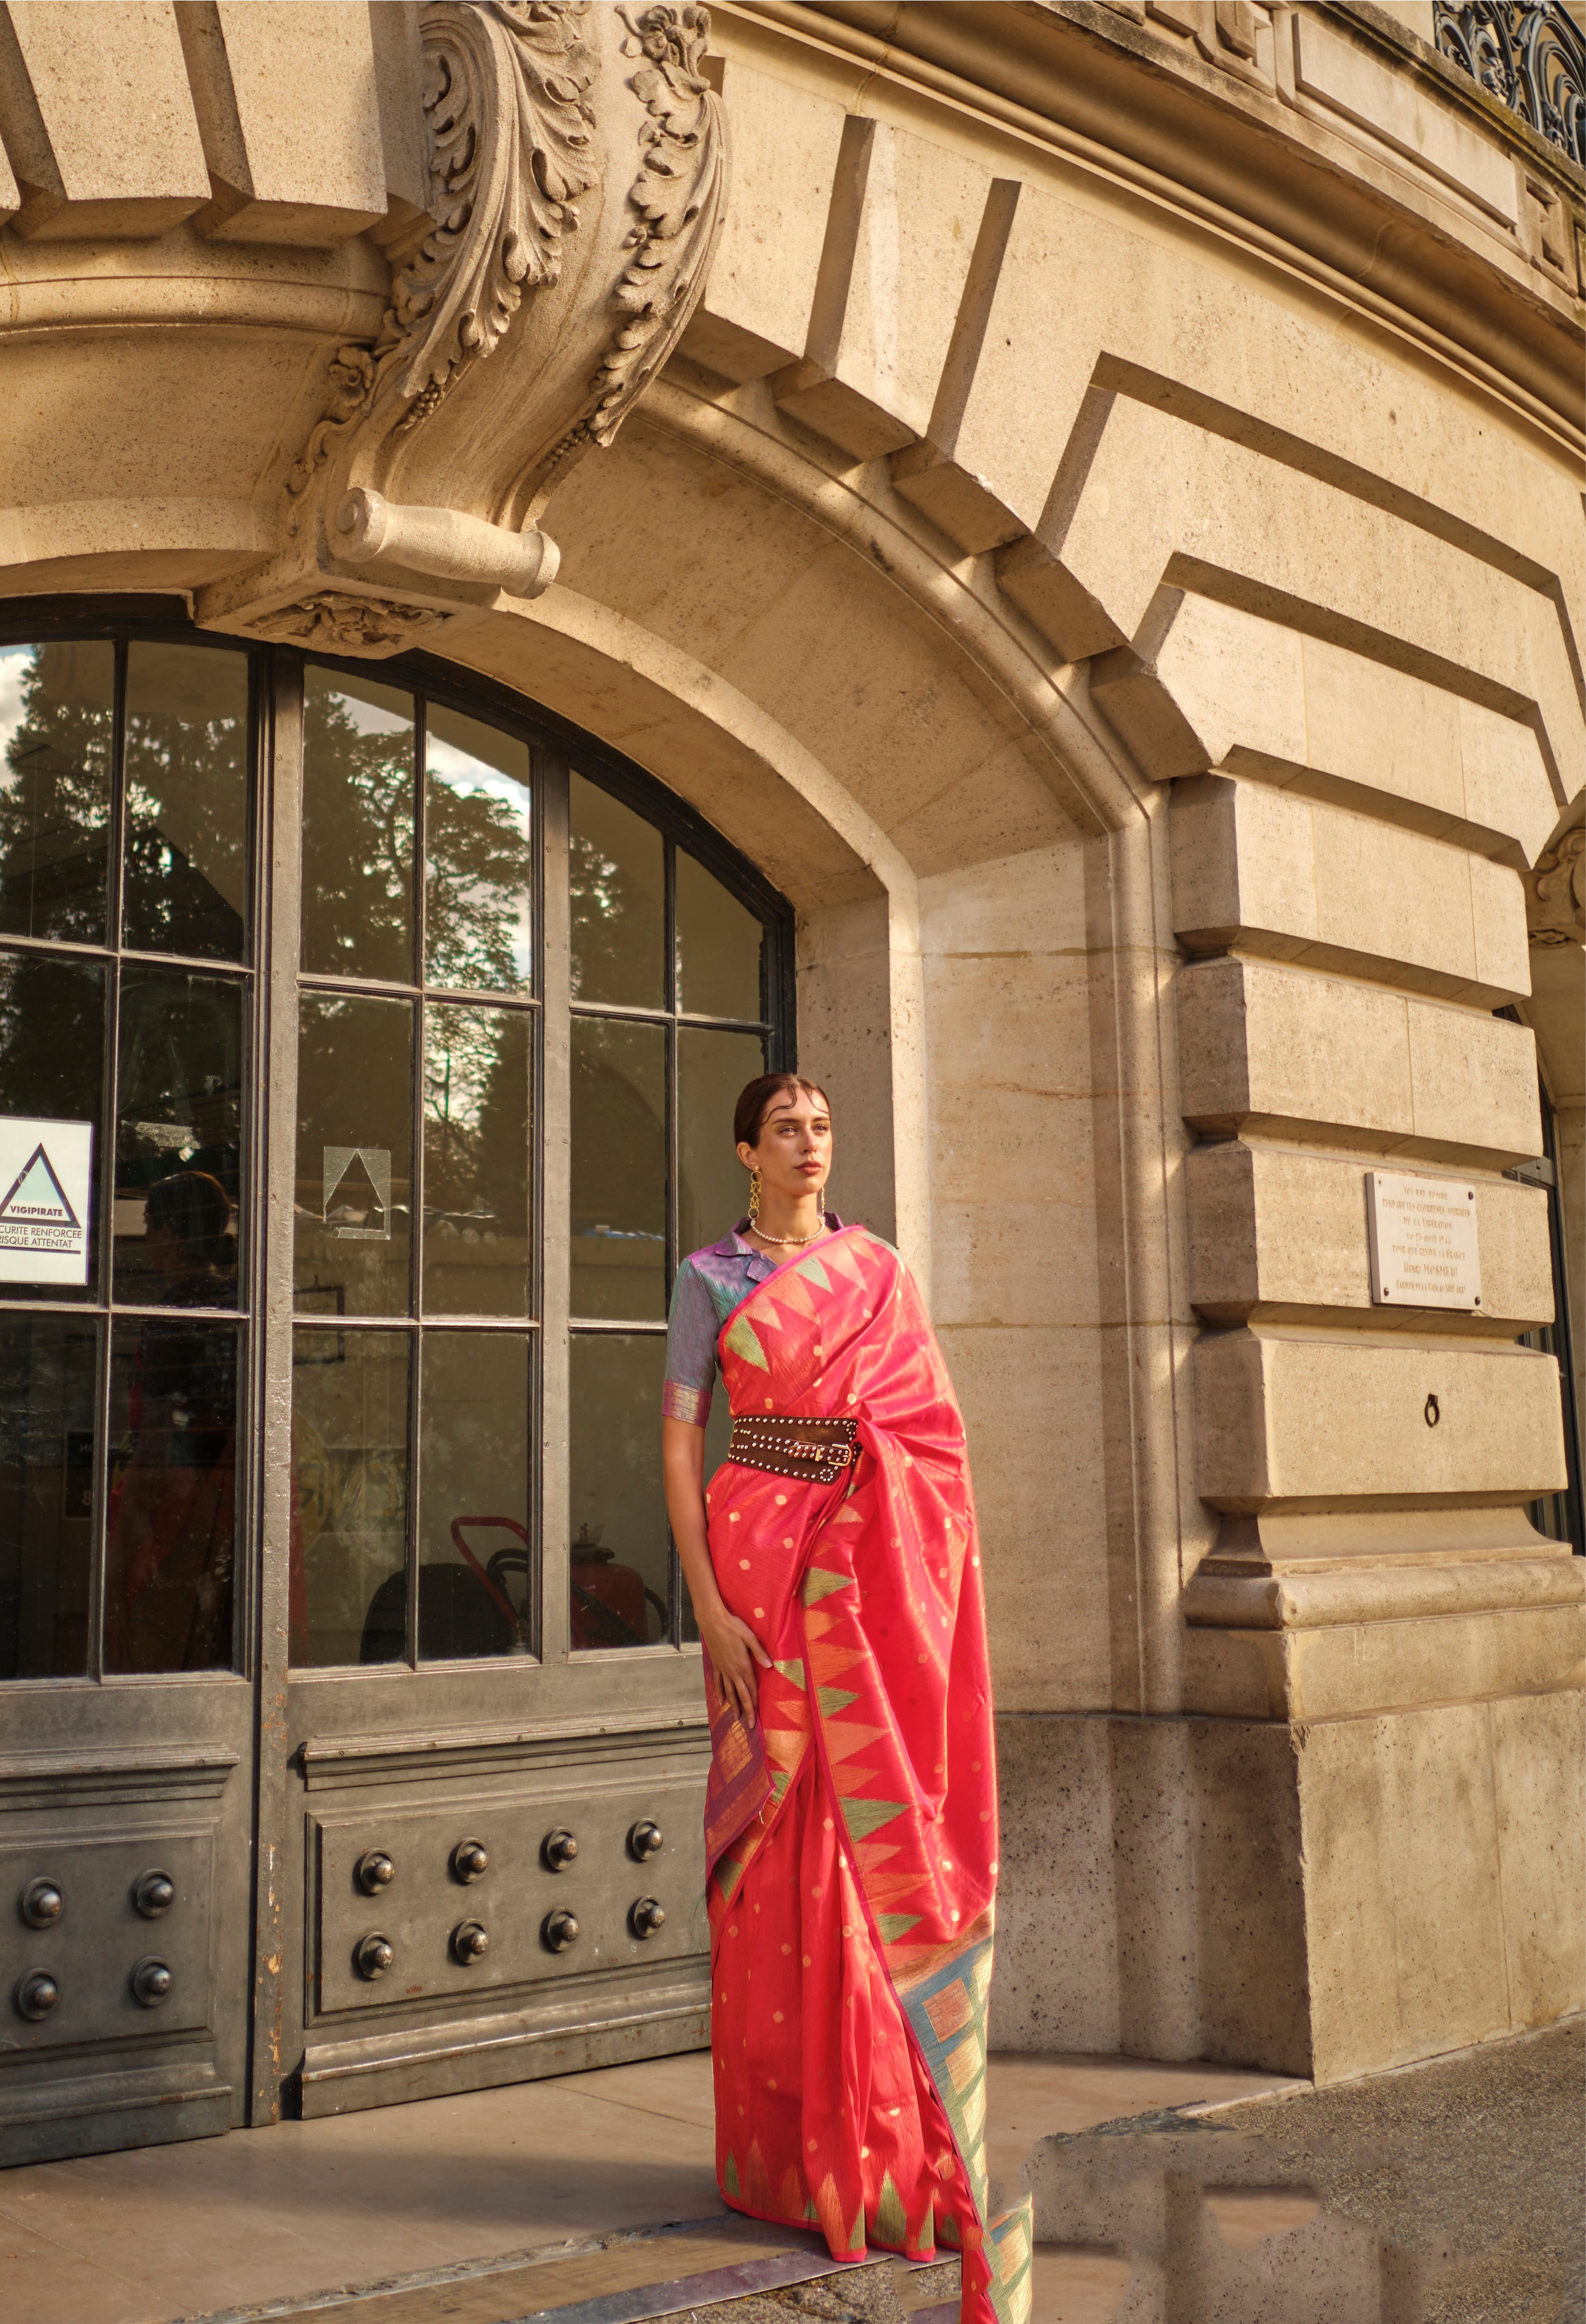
{"points": [[616, 882], [478, 1123], [357, 828], [479, 866], [719, 945], [187, 734], [618, 1243], [55, 723]]}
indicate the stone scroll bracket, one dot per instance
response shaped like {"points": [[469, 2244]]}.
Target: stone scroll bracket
{"points": [[578, 167]]}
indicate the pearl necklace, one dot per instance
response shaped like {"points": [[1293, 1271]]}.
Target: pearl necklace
{"points": [[795, 1242]]}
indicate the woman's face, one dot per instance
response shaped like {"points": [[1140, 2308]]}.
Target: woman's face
{"points": [[794, 1155]]}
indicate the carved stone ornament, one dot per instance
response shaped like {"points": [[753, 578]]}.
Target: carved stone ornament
{"points": [[342, 624], [577, 173], [1555, 902]]}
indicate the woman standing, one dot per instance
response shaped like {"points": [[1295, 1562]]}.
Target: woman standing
{"points": [[850, 1823]]}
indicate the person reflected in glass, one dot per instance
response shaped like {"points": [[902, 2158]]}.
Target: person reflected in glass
{"points": [[171, 1529], [850, 1811]]}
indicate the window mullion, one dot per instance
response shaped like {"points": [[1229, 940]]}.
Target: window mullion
{"points": [[275, 1174], [105, 1172], [555, 1194]]}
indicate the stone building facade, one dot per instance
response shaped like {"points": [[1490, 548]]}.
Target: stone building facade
{"points": [[1058, 526]]}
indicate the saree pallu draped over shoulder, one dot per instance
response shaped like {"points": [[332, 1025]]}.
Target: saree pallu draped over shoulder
{"points": [[851, 1833]]}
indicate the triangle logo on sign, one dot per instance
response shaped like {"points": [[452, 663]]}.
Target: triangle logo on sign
{"points": [[38, 1195]]}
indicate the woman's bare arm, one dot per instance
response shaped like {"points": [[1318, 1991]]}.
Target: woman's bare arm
{"points": [[732, 1646]]}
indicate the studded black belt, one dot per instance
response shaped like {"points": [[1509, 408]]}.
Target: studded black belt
{"points": [[790, 1446]]}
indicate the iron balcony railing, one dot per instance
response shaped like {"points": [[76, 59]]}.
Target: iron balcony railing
{"points": [[1530, 54]]}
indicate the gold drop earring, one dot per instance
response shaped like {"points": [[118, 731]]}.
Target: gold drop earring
{"points": [[754, 1198]]}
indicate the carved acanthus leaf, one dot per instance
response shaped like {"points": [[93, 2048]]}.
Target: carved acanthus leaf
{"points": [[352, 383], [677, 198], [512, 149], [1557, 907]]}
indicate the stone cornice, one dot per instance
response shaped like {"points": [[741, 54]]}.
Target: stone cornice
{"points": [[1256, 162]]}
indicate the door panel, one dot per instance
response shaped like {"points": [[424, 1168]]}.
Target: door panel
{"points": [[128, 806], [436, 2021], [140, 2034]]}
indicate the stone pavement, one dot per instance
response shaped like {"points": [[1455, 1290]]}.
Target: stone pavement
{"points": [[1446, 2193], [474, 2209], [1443, 2193]]}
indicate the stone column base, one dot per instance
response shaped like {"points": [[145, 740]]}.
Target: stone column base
{"points": [[1326, 1898]]}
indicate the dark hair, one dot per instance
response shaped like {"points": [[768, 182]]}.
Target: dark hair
{"points": [[196, 1209], [756, 1101]]}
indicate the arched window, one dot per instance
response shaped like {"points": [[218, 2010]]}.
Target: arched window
{"points": [[367, 1040]]}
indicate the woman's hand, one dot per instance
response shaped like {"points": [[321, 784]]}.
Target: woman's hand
{"points": [[733, 1650]]}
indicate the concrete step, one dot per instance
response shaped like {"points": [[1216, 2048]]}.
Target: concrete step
{"points": [[732, 2269]]}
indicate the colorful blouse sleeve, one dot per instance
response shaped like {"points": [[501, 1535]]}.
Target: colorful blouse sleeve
{"points": [[691, 1348]]}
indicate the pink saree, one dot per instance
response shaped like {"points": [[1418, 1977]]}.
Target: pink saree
{"points": [[851, 1835]]}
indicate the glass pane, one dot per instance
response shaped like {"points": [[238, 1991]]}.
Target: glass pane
{"points": [[718, 948], [178, 1139], [349, 1531], [713, 1185], [478, 927], [619, 1209], [473, 1587], [478, 1119], [170, 1525], [46, 1494], [52, 1070], [355, 1156], [187, 801], [56, 717], [620, 1557], [358, 827], [616, 874]]}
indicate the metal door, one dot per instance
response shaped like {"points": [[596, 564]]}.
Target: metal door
{"points": [[420, 1025], [525, 986], [130, 1258]]}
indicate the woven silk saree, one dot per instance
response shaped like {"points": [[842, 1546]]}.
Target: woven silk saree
{"points": [[851, 1834]]}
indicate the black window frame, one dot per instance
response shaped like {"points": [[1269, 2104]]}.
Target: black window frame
{"points": [[558, 748]]}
